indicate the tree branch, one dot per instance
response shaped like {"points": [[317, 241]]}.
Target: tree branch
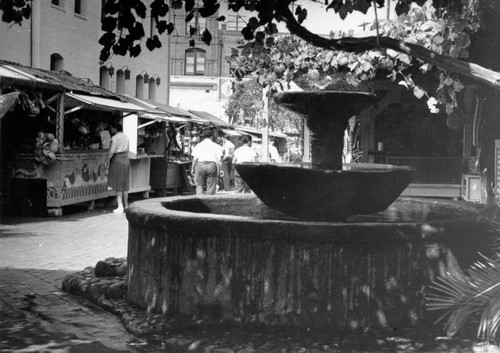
{"points": [[350, 44]]}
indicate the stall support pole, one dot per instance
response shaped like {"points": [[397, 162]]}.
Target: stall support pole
{"points": [[60, 120]]}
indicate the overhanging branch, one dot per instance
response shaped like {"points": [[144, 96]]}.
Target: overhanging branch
{"points": [[350, 44]]}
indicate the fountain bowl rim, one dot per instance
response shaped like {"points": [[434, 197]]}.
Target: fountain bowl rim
{"points": [[155, 209]]}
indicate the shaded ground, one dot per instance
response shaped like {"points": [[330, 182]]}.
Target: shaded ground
{"points": [[35, 255], [37, 316], [180, 334]]}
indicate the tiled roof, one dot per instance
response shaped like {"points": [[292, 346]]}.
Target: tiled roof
{"points": [[17, 74]]}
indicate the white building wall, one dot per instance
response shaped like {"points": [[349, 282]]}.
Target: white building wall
{"points": [[75, 37], [199, 93]]}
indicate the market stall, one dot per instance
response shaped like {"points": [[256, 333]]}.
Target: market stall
{"points": [[57, 132], [165, 133]]}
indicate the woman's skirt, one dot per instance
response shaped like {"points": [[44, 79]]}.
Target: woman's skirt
{"points": [[118, 176]]}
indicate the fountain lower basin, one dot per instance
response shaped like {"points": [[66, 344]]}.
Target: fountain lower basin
{"points": [[230, 258]]}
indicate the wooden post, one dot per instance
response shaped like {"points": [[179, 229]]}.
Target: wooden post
{"points": [[60, 122], [265, 130]]}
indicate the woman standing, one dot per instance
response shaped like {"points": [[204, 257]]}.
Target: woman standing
{"points": [[119, 165]]}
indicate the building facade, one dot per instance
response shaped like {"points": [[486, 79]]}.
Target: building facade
{"points": [[64, 35]]}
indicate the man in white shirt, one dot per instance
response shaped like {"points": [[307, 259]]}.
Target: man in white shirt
{"points": [[274, 155], [243, 154], [206, 164], [227, 162]]}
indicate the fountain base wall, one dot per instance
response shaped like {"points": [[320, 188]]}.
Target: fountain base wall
{"points": [[230, 258]]}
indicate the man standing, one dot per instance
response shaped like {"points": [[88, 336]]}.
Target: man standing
{"points": [[243, 154], [227, 162], [274, 155], [206, 164]]}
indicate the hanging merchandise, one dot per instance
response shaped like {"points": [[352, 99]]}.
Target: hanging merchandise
{"points": [[7, 101], [28, 105]]}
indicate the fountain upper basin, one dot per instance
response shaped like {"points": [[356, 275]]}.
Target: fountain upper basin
{"points": [[326, 195]]}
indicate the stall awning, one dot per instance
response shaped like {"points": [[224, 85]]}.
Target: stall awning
{"points": [[158, 117], [258, 133], [231, 132], [161, 112], [75, 101], [209, 118]]}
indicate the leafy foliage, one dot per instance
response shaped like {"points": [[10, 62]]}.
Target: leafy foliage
{"points": [[288, 58], [15, 11], [246, 106], [472, 297]]}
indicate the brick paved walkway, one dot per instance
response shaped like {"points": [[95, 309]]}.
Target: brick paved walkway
{"points": [[70, 242], [35, 255]]}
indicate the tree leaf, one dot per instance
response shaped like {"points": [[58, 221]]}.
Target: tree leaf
{"points": [[170, 28], [108, 23], [111, 7], [107, 39], [188, 5], [362, 5], [189, 17], [177, 4], [161, 26], [301, 14], [135, 51], [206, 37], [208, 9], [137, 32], [418, 92], [404, 58], [150, 44], [448, 81], [140, 9], [104, 55]]}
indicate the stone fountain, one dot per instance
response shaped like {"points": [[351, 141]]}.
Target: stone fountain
{"points": [[332, 248], [327, 190]]}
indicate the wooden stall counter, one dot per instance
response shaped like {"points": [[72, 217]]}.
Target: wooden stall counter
{"points": [[171, 176], [73, 177], [140, 167]]}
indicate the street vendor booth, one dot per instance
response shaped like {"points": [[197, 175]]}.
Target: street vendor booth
{"points": [[162, 140], [55, 137]]}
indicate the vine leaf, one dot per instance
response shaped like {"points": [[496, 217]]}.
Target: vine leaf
{"points": [[206, 37]]}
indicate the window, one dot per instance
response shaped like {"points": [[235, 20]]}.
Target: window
{"points": [[195, 61], [152, 89], [80, 7], [56, 62], [236, 23], [104, 77], [120, 81], [199, 23], [139, 86], [58, 3]]}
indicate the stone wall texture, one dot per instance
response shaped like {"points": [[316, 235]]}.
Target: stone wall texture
{"points": [[245, 269]]}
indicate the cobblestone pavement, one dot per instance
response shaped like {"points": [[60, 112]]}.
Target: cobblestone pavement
{"points": [[35, 255]]}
